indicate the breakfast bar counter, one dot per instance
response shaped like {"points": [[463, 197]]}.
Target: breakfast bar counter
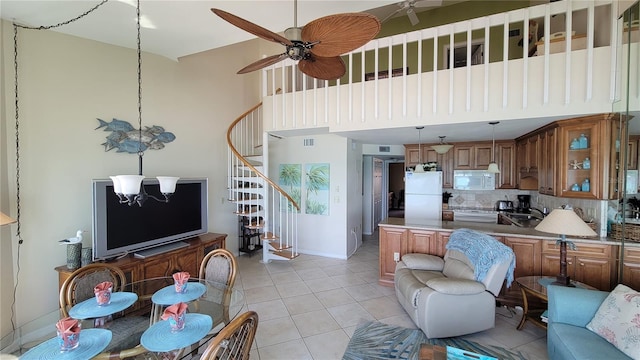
{"points": [[593, 261]]}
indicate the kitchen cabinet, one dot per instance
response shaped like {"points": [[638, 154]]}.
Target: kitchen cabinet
{"points": [[547, 154], [447, 215], [527, 149], [419, 241], [472, 156], [506, 159], [592, 264], [528, 255], [632, 152], [444, 161], [438, 247], [631, 267], [392, 240], [583, 140]]}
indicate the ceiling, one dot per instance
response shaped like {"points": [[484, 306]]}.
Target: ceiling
{"points": [[177, 28]]}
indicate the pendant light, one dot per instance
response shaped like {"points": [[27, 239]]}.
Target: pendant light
{"points": [[129, 188], [419, 166], [442, 147], [493, 166]]}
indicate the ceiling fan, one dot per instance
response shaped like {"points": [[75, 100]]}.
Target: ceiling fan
{"points": [[317, 46], [409, 6]]}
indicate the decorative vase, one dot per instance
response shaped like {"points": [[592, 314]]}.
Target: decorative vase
{"points": [[87, 256], [73, 256]]}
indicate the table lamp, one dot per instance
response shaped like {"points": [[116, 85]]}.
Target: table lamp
{"points": [[5, 219], [564, 221]]}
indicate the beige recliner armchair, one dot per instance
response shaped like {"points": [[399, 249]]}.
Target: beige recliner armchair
{"points": [[455, 295]]}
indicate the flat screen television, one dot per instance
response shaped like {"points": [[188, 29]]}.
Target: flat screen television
{"points": [[119, 229]]}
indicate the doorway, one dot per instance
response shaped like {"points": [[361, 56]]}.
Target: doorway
{"points": [[396, 189]]}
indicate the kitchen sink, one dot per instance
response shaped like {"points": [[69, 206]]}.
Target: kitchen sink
{"points": [[520, 219]]}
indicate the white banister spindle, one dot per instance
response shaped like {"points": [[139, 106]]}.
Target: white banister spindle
{"points": [[390, 80], [363, 108], [451, 67], [376, 94], [547, 34], [435, 71], [350, 86], [468, 105], [525, 60], [505, 60], [615, 62], [590, 43], [486, 65], [567, 53], [419, 85], [404, 76]]}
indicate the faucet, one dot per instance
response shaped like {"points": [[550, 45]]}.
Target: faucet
{"points": [[544, 212]]}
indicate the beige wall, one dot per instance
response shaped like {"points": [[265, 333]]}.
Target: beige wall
{"points": [[65, 84]]}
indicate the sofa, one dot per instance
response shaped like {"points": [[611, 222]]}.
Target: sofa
{"points": [[454, 295], [570, 310]]}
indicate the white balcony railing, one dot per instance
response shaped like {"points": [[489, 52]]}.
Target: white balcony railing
{"points": [[498, 79]]}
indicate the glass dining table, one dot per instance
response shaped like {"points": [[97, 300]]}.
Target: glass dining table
{"points": [[140, 306]]}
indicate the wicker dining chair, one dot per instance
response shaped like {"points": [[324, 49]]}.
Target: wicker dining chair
{"points": [[128, 329], [234, 340], [219, 265]]}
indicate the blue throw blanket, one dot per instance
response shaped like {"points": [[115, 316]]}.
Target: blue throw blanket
{"points": [[483, 251]]}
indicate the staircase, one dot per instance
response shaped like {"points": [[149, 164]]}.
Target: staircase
{"points": [[268, 215]]}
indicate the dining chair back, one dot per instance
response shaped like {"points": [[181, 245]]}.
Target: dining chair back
{"points": [[126, 330], [219, 265], [79, 285], [234, 340]]}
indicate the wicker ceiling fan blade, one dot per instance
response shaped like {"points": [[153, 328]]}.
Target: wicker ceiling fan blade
{"points": [[323, 68], [270, 60], [337, 34], [252, 28]]}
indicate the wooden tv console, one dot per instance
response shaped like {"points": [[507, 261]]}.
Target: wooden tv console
{"points": [[184, 259]]}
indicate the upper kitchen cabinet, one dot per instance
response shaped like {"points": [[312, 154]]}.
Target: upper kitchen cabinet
{"points": [[527, 150], [425, 154], [583, 149], [472, 156], [547, 152], [506, 159]]}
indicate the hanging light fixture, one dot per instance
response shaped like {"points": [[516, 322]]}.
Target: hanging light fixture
{"points": [[493, 166], [129, 188], [419, 166], [442, 147]]}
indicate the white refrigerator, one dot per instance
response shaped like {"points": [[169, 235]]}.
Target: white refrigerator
{"points": [[423, 196]]}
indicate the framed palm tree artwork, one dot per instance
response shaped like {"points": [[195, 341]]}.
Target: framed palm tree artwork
{"points": [[317, 189], [290, 180]]}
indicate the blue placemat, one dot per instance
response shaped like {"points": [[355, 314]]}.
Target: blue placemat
{"points": [[169, 296], [90, 309], [92, 342], [160, 338]]}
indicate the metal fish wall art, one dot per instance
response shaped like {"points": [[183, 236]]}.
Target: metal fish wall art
{"points": [[125, 138]]}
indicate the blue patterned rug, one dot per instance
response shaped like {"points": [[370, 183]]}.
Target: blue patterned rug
{"points": [[375, 340]]}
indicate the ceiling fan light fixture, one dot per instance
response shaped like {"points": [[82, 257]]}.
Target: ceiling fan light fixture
{"points": [[442, 147]]}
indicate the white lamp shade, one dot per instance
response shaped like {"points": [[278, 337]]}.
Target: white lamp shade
{"points": [[5, 219], [565, 222], [116, 185], [167, 184], [442, 148], [130, 184], [493, 168]]}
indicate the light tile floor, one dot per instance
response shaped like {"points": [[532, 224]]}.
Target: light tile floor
{"points": [[310, 306]]}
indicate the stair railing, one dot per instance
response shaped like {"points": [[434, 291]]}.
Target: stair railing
{"points": [[265, 205]]}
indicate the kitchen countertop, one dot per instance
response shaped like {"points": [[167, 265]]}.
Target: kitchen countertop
{"points": [[495, 229]]}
